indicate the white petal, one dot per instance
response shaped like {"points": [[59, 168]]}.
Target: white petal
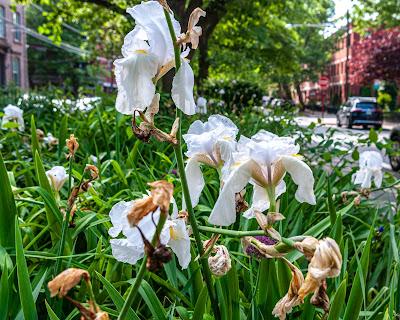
{"points": [[57, 177], [13, 113], [260, 202], [302, 176], [182, 89], [195, 181], [150, 16], [180, 242], [134, 76], [125, 251], [378, 178], [135, 40], [118, 218], [224, 211]]}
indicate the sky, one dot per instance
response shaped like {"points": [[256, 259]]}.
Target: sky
{"points": [[341, 6]]}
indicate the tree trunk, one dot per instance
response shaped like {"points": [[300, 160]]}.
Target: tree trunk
{"points": [[300, 95]]}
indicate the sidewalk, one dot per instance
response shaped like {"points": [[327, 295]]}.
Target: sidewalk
{"points": [[329, 119]]}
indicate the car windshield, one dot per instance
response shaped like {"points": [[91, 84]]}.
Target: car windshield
{"points": [[366, 105]]}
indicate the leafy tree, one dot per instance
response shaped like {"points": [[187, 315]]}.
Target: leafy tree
{"points": [[377, 14]]}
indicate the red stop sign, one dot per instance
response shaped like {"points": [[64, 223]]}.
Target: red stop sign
{"points": [[323, 82]]}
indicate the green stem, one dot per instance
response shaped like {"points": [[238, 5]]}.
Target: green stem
{"points": [[142, 271], [58, 265], [232, 233], [181, 168]]}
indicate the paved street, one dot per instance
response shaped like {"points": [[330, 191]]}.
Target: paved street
{"points": [[342, 134]]}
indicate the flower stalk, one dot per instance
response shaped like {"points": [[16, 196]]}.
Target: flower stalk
{"points": [[142, 271], [181, 168]]}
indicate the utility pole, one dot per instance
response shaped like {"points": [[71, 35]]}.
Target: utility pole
{"points": [[347, 88]]}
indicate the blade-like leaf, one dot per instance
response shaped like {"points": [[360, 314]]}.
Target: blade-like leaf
{"points": [[8, 210], [338, 301], [152, 302], [24, 285]]}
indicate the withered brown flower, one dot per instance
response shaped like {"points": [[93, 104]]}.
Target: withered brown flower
{"points": [[160, 197], [72, 145], [193, 32], [290, 300], [326, 263], [66, 280]]}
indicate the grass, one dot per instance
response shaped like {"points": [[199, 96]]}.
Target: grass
{"points": [[367, 234]]}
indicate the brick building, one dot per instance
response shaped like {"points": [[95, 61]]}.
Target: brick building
{"points": [[13, 46], [361, 54]]}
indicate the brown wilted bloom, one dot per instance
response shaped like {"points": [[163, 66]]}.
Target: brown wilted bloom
{"points": [[290, 300], [160, 197], [94, 171], [357, 200], [91, 313], [320, 298], [146, 129], [39, 134], [193, 32], [307, 247], [241, 204], [66, 280], [326, 263], [219, 261], [72, 145]]}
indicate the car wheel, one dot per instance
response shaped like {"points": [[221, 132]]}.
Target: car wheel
{"points": [[378, 126], [394, 163], [349, 123], [365, 127]]}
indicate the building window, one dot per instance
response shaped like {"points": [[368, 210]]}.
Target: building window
{"points": [[16, 71], [17, 23], [2, 22]]}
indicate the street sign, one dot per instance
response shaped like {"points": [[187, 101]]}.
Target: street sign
{"points": [[323, 82]]}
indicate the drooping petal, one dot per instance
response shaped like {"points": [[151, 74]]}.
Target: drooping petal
{"points": [[260, 201], [182, 89], [179, 242], [378, 178], [125, 251], [57, 177], [134, 76], [150, 16], [302, 176], [224, 211], [195, 181]]}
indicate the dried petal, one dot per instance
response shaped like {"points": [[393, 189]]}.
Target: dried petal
{"points": [[140, 209], [290, 300], [94, 171], [307, 247], [162, 192], [220, 262], [66, 280], [326, 263], [72, 145], [40, 134]]}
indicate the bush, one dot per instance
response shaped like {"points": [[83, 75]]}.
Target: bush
{"points": [[232, 95]]}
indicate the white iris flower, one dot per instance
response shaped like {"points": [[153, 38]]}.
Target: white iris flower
{"points": [[210, 143], [263, 161], [130, 249], [371, 163], [13, 114], [57, 177], [147, 52]]}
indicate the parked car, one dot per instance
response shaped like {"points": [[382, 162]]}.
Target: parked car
{"points": [[394, 158], [362, 111]]}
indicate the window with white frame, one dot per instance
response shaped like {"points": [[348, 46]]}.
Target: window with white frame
{"points": [[2, 22], [16, 70], [17, 26]]}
